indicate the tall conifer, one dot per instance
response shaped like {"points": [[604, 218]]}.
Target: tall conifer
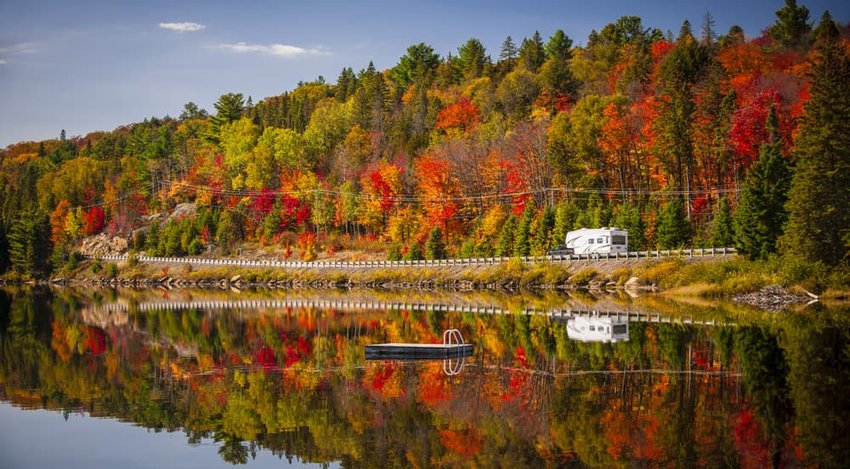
{"points": [[819, 201], [761, 212]]}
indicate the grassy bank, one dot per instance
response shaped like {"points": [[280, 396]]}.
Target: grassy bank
{"points": [[707, 277], [738, 275]]}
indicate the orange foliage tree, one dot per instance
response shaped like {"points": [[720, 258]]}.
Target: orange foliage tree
{"points": [[462, 115], [439, 189]]}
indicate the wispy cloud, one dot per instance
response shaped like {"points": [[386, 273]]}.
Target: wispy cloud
{"points": [[16, 49], [182, 27], [280, 50], [22, 48]]}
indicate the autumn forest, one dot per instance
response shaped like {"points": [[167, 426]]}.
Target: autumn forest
{"points": [[695, 138]]}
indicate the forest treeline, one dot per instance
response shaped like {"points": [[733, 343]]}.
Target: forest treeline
{"points": [[693, 139]]}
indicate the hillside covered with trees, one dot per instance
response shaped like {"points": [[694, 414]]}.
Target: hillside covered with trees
{"points": [[689, 139]]}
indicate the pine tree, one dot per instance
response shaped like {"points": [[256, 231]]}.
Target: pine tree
{"points": [[505, 243], [543, 232], [509, 51], [761, 212], [435, 247], [819, 201], [792, 28], [414, 252], [29, 243], [722, 227], [565, 219], [229, 108], [673, 228], [532, 53], [522, 240], [628, 218]]}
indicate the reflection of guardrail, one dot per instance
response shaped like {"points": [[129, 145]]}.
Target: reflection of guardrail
{"points": [[556, 314], [475, 261]]}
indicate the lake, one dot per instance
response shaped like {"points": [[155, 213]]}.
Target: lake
{"points": [[95, 378]]}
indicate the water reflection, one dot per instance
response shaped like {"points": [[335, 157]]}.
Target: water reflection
{"points": [[685, 389]]}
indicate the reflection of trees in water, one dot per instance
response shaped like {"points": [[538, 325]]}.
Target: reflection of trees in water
{"points": [[522, 395], [817, 346]]}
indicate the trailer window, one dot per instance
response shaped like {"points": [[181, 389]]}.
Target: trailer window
{"points": [[618, 239], [590, 241], [599, 240]]}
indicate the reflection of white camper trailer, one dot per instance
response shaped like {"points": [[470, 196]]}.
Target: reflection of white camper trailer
{"points": [[596, 329], [599, 240]]}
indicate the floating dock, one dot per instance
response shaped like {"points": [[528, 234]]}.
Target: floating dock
{"points": [[417, 351]]}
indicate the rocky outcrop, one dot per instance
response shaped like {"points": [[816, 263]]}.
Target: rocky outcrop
{"points": [[104, 245], [773, 298]]}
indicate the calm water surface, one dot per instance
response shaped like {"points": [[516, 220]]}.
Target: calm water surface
{"points": [[206, 379]]}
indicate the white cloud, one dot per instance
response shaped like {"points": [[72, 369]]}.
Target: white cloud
{"points": [[280, 50], [182, 27], [17, 49], [22, 48]]}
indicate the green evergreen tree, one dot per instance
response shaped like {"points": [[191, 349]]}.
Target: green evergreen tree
{"points": [[522, 240], [628, 218], [152, 240], [4, 248], [555, 73], [532, 53], [723, 226], [792, 28], [414, 252], [467, 249], [819, 201], [471, 59], [673, 229], [543, 232], [761, 212], [29, 243], [565, 218], [229, 108], [505, 243], [394, 252], [435, 247], [508, 53]]}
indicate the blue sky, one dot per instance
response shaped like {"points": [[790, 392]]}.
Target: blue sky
{"points": [[95, 65]]}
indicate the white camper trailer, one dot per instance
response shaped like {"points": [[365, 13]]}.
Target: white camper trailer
{"points": [[598, 329], [598, 240]]}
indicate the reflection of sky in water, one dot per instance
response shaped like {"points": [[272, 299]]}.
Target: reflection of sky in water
{"points": [[43, 439]]}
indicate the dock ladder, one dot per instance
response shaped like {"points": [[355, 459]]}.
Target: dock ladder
{"points": [[453, 366]]}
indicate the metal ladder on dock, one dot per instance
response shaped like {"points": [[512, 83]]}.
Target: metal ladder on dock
{"points": [[453, 366]]}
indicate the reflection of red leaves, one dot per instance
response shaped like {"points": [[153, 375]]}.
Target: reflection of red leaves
{"points": [[95, 341], [303, 346], [381, 377], [265, 358], [749, 440], [291, 357], [519, 356], [465, 442]]}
